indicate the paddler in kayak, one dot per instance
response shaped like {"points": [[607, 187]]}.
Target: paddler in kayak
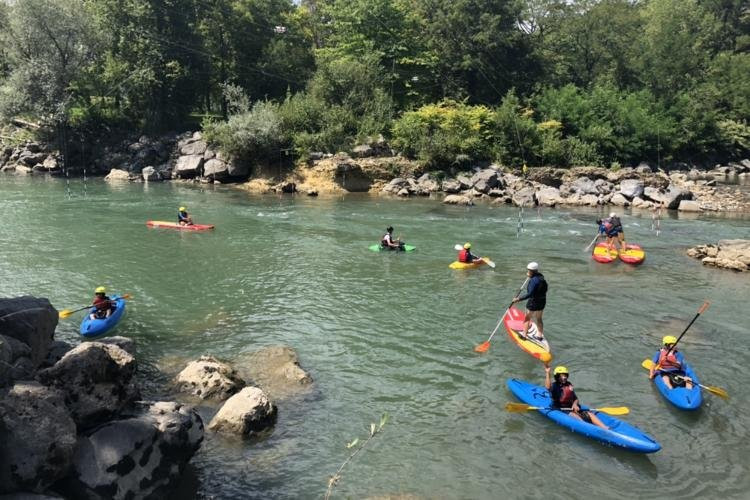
{"points": [[467, 257], [563, 396], [536, 293], [670, 363], [183, 218], [389, 243], [103, 305]]}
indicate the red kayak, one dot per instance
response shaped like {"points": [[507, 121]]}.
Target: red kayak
{"points": [[633, 254], [604, 254], [174, 225]]}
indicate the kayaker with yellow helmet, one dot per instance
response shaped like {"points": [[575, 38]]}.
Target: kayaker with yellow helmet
{"points": [[536, 296], [467, 257], [183, 218], [563, 396], [103, 305], [670, 362]]}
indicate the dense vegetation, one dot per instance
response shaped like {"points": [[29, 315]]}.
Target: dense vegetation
{"points": [[446, 81]]}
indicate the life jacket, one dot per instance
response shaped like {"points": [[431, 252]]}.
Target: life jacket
{"points": [[567, 395], [668, 362], [182, 216], [386, 239], [463, 255]]}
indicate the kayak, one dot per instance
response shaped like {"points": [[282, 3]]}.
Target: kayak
{"points": [[620, 433], [604, 254], [380, 248], [463, 265], [513, 322], [633, 254], [96, 327], [682, 397], [174, 225]]}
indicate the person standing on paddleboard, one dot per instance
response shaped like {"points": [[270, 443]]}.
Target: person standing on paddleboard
{"points": [[563, 396], [615, 232], [536, 293]]}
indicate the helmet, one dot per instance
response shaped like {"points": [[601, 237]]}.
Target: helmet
{"points": [[612, 214], [182, 209], [467, 245], [100, 289], [533, 266], [561, 369], [669, 339]]}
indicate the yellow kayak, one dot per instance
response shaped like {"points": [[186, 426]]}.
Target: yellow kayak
{"points": [[463, 265]]}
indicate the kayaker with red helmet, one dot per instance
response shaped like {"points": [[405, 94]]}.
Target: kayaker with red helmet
{"points": [[103, 305], [467, 257], [389, 243], [183, 218], [536, 296], [670, 363], [563, 396]]}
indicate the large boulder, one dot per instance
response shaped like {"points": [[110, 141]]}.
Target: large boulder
{"points": [[15, 361], [30, 320], [246, 412], [209, 378], [584, 185], [465, 182], [216, 169], [548, 196], [193, 147], [451, 186], [38, 438], [619, 200], [96, 380], [275, 369], [689, 206], [486, 179], [426, 185], [150, 174], [524, 197], [455, 199], [188, 167], [670, 198], [546, 175], [117, 175], [395, 185], [141, 457], [631, 188]]}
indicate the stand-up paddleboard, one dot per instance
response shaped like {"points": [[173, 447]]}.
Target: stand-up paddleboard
{"points": [[603, 253], [463, 265], [513, 322], [381, 248], [174, 225], [633, 254]]}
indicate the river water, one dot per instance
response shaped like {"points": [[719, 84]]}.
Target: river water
{"points": [[395, 333]]}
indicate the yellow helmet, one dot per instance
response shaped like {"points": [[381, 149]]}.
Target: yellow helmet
{"points": [[467, 245], [669, 339], [561, 369], [100, 289], [182, 209]]}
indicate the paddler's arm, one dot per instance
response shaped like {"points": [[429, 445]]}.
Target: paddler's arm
{"points": [[547, 382], [652, 370], [529, 291]]}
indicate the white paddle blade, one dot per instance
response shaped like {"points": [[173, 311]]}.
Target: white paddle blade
{"points": [[458, 247], [491, 264]]}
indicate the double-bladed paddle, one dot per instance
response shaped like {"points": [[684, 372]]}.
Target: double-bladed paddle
{"points": [[520, 407], [67, 312], [648, 364]]}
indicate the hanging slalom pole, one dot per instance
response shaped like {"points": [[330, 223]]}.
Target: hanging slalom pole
{"points": [[519, 224]]}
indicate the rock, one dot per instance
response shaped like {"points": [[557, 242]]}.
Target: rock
{"points": [[285, 187], [644, 168], [117, 175], [210, 154], [31, 321], [150, 174], [451, 186], [194, 148], [238, 168], [312, 192], [495, 193], [547, 176], [215, 169], [584, 185], [619, 200], [31, 159], [188, 167], [125, 343], [57, 350], [689, 206], [23, 169], [50, 163], [548, 197], [275, 369], [38, 438], [485, 179], [141, 457], [15, 361], [455, 199], [641, 203], [426, 185], [248, 411], [591, 200], [96, 380], [524, 197], [362, 151], [403, 192], [631, 188], [209, 378], [670, 197], [395, 185], [465, 182]]}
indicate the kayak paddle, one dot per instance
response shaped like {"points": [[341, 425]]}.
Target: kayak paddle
{"points": [[519, 407], [67, 312], [647, 364], [484, 346], [700, 311], [487, 261]]}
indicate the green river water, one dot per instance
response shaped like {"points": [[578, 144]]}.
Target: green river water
{"points": [[395, 333]]}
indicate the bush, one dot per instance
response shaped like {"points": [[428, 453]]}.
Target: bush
{"points": [[252, 134]]}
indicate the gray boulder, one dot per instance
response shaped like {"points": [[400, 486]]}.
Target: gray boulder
{"points": [[524, 197], [209, 378], [125, 343], [96, 380], [584, 185], [465, 182], [451, 186], [38, 438], [631, 188], [246, 412], [216, 169], [23, 170], [455, 199], [188, 167], [30, 320], [117, 175], [141, 457], [619, 200], [603, 187], [395, 185], [275, 369], [194, 148], [15, 361], [689, 206], [486, 179], [426, 185], [57, 350], [671, 197], [150, 174], [548, 196]]}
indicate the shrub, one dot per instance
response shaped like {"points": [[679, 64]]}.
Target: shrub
{"points": [[252, 134]]}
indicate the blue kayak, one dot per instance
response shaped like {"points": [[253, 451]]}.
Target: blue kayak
{"points": [[96, 327], [682, 397], [620, 434]]}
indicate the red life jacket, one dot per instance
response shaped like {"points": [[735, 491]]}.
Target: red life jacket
{"points": [[668, 362], [567, 396], [463, 255], [102, 303]]}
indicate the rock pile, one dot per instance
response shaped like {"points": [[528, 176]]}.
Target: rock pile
{"points": [[727, 254]]}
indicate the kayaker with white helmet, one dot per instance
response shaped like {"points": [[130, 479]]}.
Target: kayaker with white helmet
{"points": [[389, 243], [563, 396], [183, 218], [670, 363], [467, 257], [103, 305], [536, 293]]}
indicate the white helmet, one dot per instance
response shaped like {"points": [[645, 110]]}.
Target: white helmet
{"points": [[533, 266], [613, 214]]}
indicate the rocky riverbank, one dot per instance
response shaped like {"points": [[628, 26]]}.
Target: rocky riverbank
{"points": [[726, 254], [73, 422], [376, 168]]}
